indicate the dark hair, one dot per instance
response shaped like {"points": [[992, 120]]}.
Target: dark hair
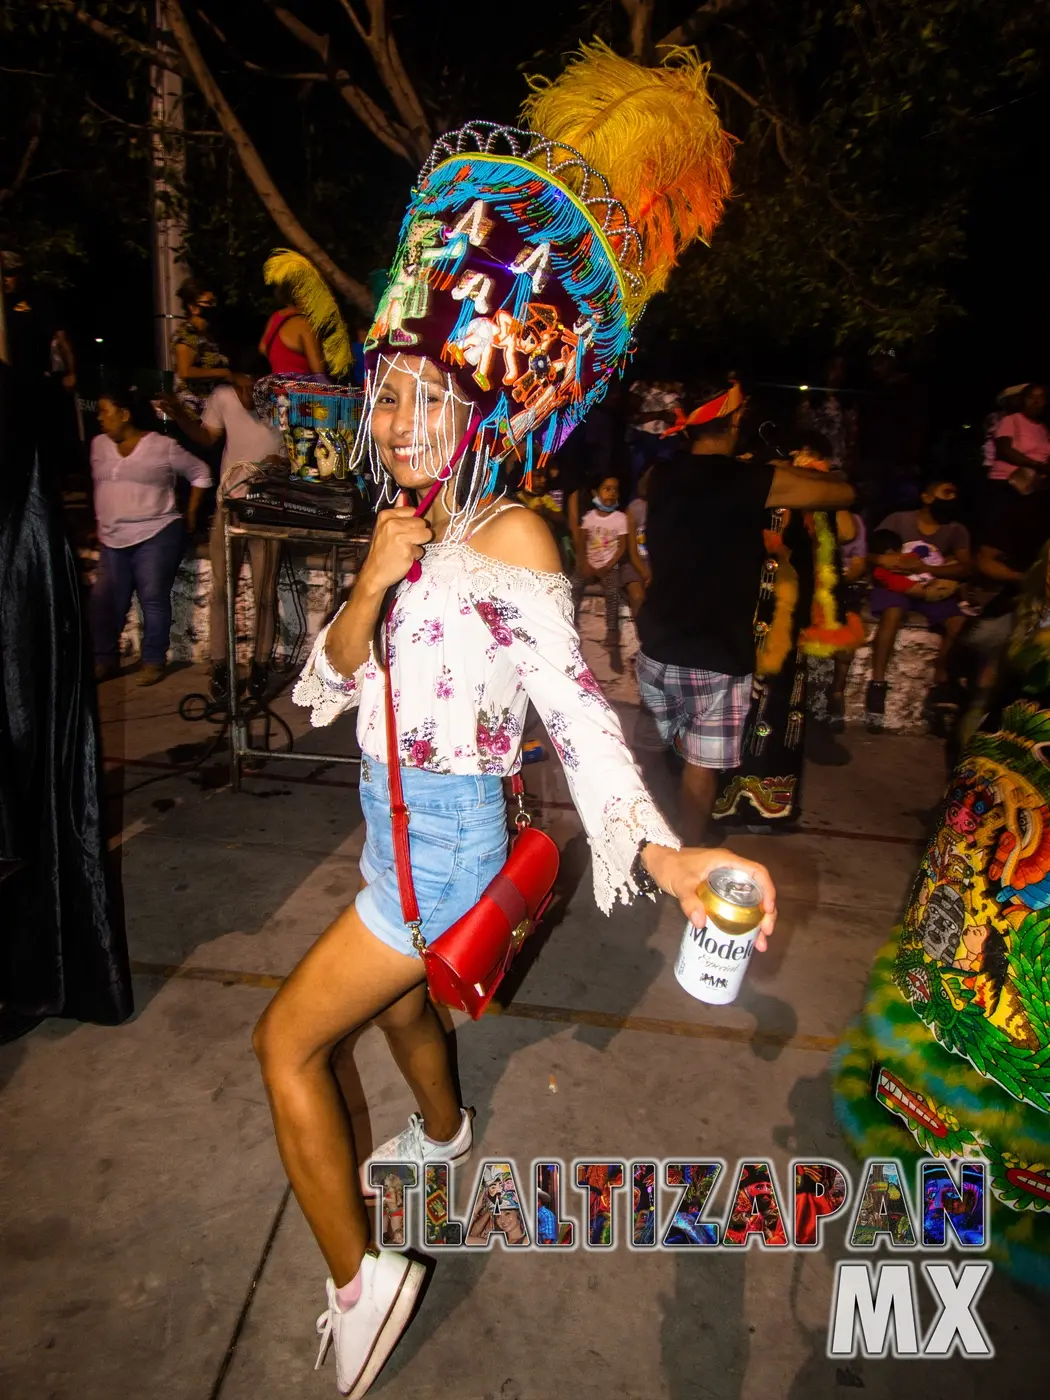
{"points": [[933, 478], [598, 478], [248, 359], [885, 542], [191, 292], [127, 396], [720, 427], [283, 296], [815, 442]]}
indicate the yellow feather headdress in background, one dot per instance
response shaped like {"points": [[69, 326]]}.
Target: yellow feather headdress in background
{"points": [[654, 133], [314, 298]]}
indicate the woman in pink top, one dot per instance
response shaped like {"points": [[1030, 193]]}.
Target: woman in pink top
{"points": [[1022, 443], [141, 533]]}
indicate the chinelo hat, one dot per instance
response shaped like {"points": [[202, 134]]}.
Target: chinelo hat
{"points": [[527, 254]]}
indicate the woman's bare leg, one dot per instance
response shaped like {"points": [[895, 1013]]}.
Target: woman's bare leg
{"points": [[419, 1046], [346, 979]]}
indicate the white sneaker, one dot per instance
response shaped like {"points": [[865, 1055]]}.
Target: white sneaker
{"points": [[366, 1334], [413, 1145]]}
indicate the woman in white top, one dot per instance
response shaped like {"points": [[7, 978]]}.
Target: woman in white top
{"points": [[141, 533], [487, 627], [230, 414], [507, 315]]}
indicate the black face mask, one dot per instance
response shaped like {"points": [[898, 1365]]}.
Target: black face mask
{"points": [[944, 512]]}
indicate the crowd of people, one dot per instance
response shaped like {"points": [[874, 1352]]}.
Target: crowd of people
{"points": [[726, 675], [727, 678], [742, 552], [920, 563], [136, 463]]}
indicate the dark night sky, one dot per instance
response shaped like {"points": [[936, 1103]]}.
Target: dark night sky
{"points": [[1003, 284]]}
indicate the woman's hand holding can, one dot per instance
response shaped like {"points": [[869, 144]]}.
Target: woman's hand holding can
{"points": [[681, 873]]}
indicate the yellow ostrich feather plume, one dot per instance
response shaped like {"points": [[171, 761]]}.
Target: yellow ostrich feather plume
{"points": [[654, 133], [314, 298]]}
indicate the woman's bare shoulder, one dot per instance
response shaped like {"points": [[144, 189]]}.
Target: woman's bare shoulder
{"points": [[521, 538]]}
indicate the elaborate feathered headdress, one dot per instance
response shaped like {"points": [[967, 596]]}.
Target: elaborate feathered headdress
{"points": [[313, 296], [527, 254]]}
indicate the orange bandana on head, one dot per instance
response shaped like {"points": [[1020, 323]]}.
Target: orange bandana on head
{"points": [[719, 407]]}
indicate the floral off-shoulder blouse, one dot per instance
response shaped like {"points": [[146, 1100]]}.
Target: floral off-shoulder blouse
{"points": [[470, 643]]}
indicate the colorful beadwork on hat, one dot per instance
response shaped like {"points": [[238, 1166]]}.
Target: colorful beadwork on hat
{"points": [[505, 278], [521, 274]]}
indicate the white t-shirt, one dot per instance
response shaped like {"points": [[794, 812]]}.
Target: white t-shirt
{"points": [[928, 553], [603, 531], [248, 438]]}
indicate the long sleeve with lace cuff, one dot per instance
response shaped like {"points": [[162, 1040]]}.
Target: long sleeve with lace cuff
{"points": [[615, 807], [323, 690]]}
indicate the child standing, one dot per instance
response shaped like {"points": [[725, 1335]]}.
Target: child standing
{"points": [[604, 531]]}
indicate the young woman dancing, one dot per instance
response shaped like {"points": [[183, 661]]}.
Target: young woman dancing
{"points": [[508, 313]]}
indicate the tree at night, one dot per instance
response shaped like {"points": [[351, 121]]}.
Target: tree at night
{"points": [[866, 133]]}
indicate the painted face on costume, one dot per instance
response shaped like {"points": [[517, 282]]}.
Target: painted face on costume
{"points": [[416, 420], [974, 939], [967, 806], [943, 923]]}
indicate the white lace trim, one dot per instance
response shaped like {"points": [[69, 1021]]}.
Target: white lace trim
{"points": [[619, 825], [628, 823], [453, 559], [322, 689]]}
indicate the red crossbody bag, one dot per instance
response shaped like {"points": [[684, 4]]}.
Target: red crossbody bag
{"points": [[466, 963]]}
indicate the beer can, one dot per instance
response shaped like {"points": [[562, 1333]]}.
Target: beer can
{"points": [[712, 960]]}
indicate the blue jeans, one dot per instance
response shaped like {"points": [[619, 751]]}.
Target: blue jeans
{"points": [[149, 570], [457, 836]]}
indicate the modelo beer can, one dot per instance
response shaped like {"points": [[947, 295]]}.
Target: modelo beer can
{"points": [[712, 960]]}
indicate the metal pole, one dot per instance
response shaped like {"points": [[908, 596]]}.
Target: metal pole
{"points": [[5, 357], [238, 731], [168, 175]]}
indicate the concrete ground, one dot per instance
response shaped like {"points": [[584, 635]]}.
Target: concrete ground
{"points": [[148, 1244]]}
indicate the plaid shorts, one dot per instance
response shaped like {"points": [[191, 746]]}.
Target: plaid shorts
{"points": [[700, 713]]}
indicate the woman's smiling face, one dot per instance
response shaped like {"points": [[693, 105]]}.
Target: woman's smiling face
{"points": [[416, 421]]}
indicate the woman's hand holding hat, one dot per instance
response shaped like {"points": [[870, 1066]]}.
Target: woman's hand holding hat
{"points": [[397, 542]]}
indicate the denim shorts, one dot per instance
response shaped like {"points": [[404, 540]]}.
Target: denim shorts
{"points": [[457, 835]]}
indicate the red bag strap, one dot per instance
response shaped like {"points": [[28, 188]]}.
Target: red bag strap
{"points": [[399, 813]]}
